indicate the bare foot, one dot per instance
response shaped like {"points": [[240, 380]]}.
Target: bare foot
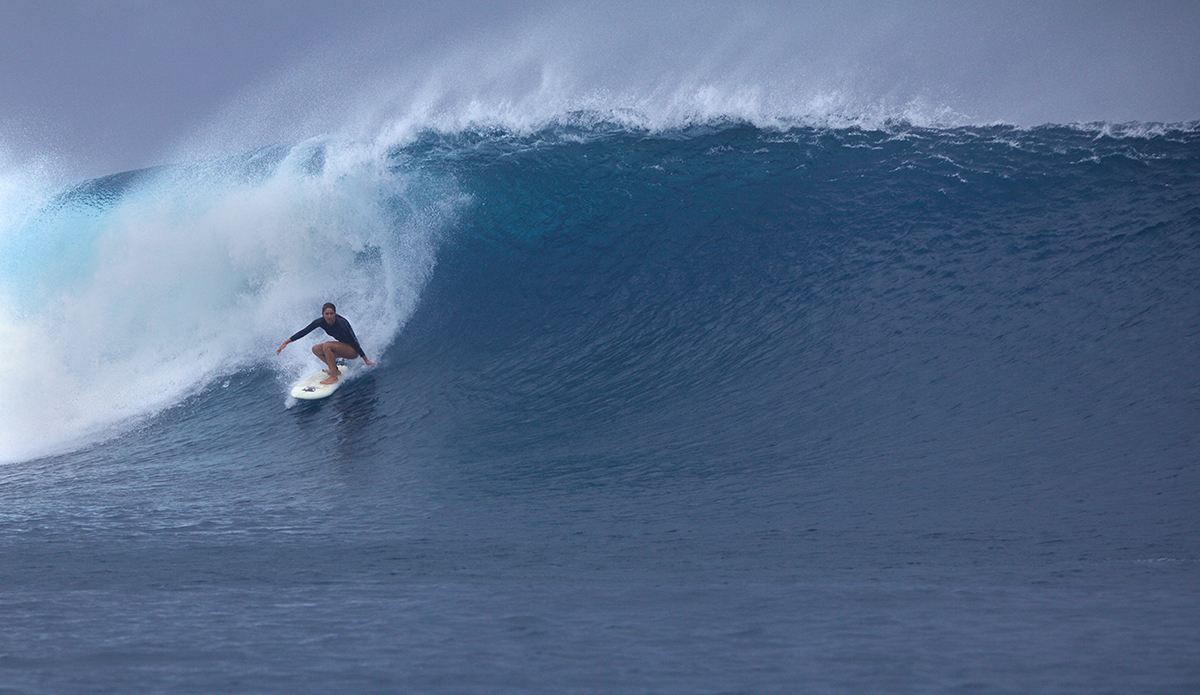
{"points": [[331, 380]]}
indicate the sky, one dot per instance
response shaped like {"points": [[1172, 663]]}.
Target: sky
{"points": [[101, 86]]}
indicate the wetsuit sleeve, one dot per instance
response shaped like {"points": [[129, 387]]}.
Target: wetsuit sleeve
{"points": [[305, 331]]}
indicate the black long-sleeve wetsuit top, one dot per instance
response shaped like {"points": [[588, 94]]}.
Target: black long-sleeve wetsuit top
{"points": [[339, 331]]}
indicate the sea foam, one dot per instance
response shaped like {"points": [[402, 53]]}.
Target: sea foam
{"points": [[130, 293]]}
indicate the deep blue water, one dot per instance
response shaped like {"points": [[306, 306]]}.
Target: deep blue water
{"points": [[713, 410]]}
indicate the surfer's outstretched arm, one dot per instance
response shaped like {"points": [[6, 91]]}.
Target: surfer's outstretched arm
{"points": [[281, 347]]}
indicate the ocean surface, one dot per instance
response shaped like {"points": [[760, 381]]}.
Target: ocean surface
{"points": [[711, 408]]}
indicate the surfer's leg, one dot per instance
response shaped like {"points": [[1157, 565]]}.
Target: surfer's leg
{"points": [[327, 356], [329, 353]]}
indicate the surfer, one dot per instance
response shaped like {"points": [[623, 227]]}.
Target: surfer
{"points": [[344, 345]]}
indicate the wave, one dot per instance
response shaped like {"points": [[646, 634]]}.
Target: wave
{"points": [[712, 248]]}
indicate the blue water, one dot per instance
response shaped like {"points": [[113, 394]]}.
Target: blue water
{"points": [[706, 409]]}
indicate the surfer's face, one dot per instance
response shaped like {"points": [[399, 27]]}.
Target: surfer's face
{"points": [[329, 315]]}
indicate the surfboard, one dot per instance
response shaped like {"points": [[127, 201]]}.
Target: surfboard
{"points": [[310, 387]]}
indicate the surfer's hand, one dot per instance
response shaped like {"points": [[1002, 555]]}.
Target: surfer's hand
{"points": [[369, 362], [281, 347]]}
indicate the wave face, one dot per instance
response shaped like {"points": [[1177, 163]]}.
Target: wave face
{"points": [[946, 314], [722, 407]]}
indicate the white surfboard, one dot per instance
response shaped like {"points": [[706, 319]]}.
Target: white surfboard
{"points": [[310, 387]]}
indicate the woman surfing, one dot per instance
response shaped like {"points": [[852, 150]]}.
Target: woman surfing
{"points": [[344, 344]]}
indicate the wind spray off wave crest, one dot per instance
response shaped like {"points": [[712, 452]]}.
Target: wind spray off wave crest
{"points": [[657, 69], [671, 65], [135, 291]]}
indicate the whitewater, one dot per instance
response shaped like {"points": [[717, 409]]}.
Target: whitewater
{"points": [[689, 382]]}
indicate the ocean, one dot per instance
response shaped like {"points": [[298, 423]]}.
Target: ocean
{"points": [[719, 407]]}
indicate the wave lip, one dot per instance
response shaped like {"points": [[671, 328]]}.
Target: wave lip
{"points": [[765, 63]]}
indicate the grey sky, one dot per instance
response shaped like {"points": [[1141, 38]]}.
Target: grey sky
{"points": [[108, 85]]}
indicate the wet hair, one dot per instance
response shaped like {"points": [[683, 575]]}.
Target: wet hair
{"points": [[328, 305]]}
